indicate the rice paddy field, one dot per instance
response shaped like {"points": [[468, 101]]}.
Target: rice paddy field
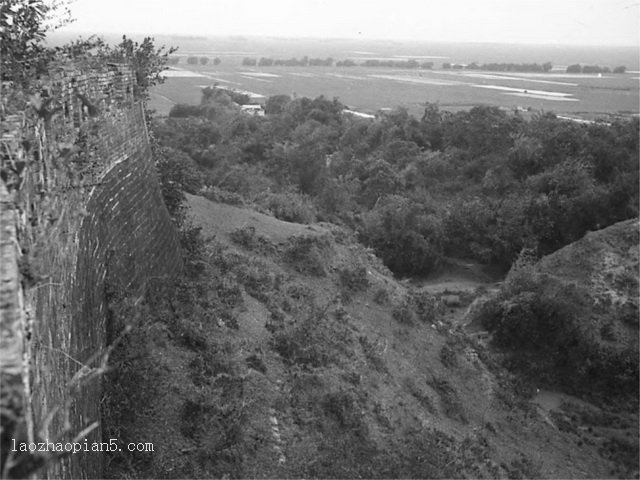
{"points": [[368, 90]]}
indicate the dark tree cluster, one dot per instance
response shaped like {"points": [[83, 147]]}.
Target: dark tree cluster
{"points": [[395, 63], [511, 67], [328, 62], [289, 62], [577, 68], [391, 63], [481, 184], [206, 60], [321, 62], [500, 67]]}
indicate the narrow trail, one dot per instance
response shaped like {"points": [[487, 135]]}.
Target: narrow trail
{"points": [[457, 284], [459, 276]]}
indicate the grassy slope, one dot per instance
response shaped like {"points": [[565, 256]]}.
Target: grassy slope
{"points": [[323, 373]]}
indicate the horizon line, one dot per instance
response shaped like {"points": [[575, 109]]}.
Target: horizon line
{"points": [[339, 38]]}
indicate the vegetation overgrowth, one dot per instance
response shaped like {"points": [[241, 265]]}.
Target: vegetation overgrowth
{"points": [[554, 333], [26, 65], [25, 56], [480, 184]]}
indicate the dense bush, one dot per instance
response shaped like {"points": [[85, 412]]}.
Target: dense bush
{"points": [[493, 231], [178, 168], [404, 235], [289, 206], [547, 325], [309, 254], [183, 110], [354, 278], [311, 339]]}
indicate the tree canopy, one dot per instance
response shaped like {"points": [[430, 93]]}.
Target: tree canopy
{"points": [[480, 184]]}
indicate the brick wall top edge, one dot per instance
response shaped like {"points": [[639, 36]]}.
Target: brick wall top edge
{"points": [[65, 79], [69, 68]]}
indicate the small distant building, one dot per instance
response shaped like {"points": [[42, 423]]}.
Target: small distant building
{"points": [[255, 110]]}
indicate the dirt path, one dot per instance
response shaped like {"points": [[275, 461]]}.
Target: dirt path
{"points": [[458, 276], [549, 400]]}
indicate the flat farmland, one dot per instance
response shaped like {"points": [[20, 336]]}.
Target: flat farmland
{"points": [[368, 90]]}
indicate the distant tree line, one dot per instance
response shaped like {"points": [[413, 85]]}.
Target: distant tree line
{"points": [[193, 60], [501, 67], [411, 63], [391, 63], [320, 62], [512, 67], [290, 62], [577, 68], [329, 62], [406, 64]]}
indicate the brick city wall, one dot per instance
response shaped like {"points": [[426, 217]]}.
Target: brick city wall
{"points": [[80, 203]]}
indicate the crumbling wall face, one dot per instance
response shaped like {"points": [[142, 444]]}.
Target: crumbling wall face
{"points": [[80, 203]]}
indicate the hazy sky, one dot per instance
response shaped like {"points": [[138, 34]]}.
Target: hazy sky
{"points": [[582, 22]]}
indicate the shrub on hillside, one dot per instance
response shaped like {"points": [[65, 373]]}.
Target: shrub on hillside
{"points": [[257, 279], [248, 181], [342, 408], [403, 312], [374, 352], [492, 231], [219, 195], [308, 254], [569, 203], [353, 278], [547, 327], [407, 238], [192, 245], [177, 174], [449, 399], [426, 306], [290, 207], [246, 237], [307, 342], [176, 166], [381, 296], [337, 198]]}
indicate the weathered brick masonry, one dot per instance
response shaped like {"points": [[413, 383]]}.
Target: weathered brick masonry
{"points": [[80, 203]]}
